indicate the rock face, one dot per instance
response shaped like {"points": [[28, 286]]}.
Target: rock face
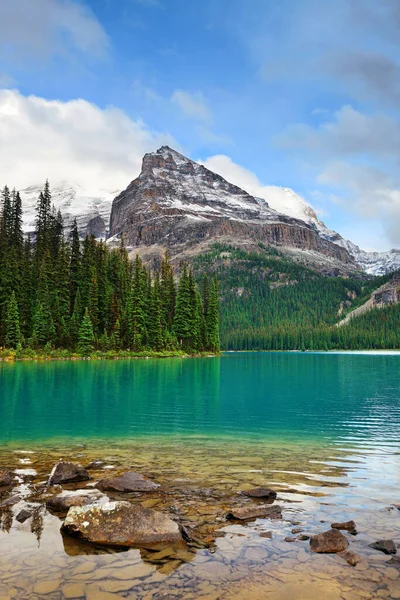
{"points": [[67, 472], [128, 482], [245, 513], [178, 204], [329, 542], [261, 492], [5, 478], [386, 546], [121, 524]]}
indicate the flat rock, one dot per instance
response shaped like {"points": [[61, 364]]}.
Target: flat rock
{"points": [[261, 492], [350, 557], [67, 472], [386, 546], [329, 542], [23, 515], [96, 464], [394, 562], [10, 501], [346, 526], [5, 478], [42, 588], [63, 502], [128, 482], [121, 524], [254, 512], [73, 590]]}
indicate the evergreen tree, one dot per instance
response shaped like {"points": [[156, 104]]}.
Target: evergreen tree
{"points": [[183, 311], [12, 327], [212, 318], [86, 336]]}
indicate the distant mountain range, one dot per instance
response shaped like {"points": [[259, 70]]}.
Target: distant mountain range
{"points": [[181, 205]]}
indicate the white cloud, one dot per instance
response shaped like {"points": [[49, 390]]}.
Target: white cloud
{"points": [[281, 199], [192, 105], [74, 141], [41, 28]]}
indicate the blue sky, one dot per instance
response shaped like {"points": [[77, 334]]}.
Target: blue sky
{"points": [[301, 93]]}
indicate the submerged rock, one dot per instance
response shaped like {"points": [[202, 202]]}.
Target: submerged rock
{"points": [[121, 524], [245, 513], [67, 472], [63, 502], [394, 562], [128, 482], [386, 546], [329, 542], [346, 526], [23, 515], [5, 478], [350, 557], [10, 501], [261, 492]]}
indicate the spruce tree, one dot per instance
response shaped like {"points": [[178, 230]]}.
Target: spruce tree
{"points": [[212, 318], [85, 336], [12, 325], [183, 311]]}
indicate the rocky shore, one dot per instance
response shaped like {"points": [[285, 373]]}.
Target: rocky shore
{"points": [[102, 511]]}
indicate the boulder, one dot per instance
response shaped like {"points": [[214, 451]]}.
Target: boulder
{"points": [[346, 526], [63, 502], [121, 524], [67, 472], [329, 542], [5, 478], [128, 482], [245, 513], [350, 557], [386, 546], [261, 492]]}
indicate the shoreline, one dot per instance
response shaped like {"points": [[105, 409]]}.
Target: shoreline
{"points": [[12, 357]]}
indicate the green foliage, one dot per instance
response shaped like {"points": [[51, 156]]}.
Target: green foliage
{"points": [[86, 335], [12, 328]]}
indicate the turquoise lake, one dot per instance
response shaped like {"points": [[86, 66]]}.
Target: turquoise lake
{"points": [[350, 397], [320, 429]]}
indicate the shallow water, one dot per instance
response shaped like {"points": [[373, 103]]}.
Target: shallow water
{"points": [[322, 430]]}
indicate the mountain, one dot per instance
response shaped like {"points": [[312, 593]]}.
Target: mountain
{"points": [[90, 207], [178, 204]]}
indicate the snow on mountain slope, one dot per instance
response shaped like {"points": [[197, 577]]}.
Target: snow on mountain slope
{"points": [[90, 207]]}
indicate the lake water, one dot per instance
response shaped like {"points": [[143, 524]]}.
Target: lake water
{"points": [[323, 430]]}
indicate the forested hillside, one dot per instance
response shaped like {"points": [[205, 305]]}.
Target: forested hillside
{"points": [[60, 293], [271, 303]]}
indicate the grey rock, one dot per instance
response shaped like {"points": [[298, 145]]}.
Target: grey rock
{"points": [[67, 472], [329, 542], [121, 524], [245, 513], [386, 546], [346, 526], [63, 502], [128, 482], [23, 515]]}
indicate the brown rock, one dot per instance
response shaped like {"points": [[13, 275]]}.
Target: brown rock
{"points": [[121, 524], [42, 588], [63, 502], [346, 526], [73, 590], [386, 546], [5, 478], [350, 557], [245, 513], [394, 562], [67, 472], [261, 492], [128, 482], [266, 534], [329, 542]]}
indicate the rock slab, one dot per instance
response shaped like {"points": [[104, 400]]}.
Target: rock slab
{"points": [[67, 472], [346, 526], [128, 482], [245, 513], [63, 502], [121, 524], [329, 542]]}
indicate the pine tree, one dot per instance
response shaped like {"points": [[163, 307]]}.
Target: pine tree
{"points": [[43, 331], [212, 318], [12, 326], [74, 265], [155, 337], [86, 336], [183, 311]]}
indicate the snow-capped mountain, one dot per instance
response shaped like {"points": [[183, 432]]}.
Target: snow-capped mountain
{"points": [[90, 207], [178, 203]]}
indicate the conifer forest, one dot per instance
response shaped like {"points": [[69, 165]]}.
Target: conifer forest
{"points": [[57, 292]]}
